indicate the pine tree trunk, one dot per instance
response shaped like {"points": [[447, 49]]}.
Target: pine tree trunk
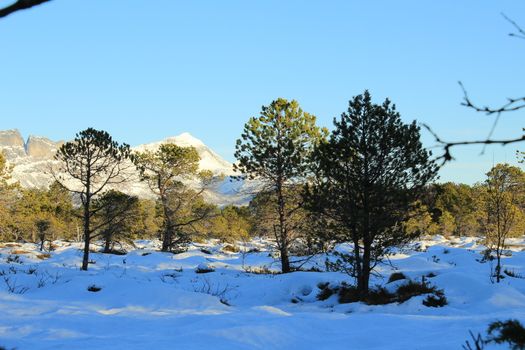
{"points": [[168, 227], [285, 261], [87, 238], [107, 244], [365, 273], [283, 233], [358, 266]]}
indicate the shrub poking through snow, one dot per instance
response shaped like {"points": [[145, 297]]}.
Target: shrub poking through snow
{"points": [[348, 294], [216, 290], [380, 295], [437, 299], [204, 268], [396, 276], [376, 296], [325, 291], [93, 288], [14, 259], [412, 289], [513, 274]]}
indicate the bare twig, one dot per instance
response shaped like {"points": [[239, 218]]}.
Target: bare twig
{"points": [[521, 32], [513, 104]]}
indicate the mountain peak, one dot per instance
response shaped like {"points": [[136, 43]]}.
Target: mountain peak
{"points": [[185, 139]]}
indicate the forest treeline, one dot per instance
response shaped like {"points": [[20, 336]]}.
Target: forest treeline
{"points": [[369, 181]]}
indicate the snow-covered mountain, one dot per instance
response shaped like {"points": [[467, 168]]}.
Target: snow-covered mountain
{"points": [[32, 159], [209, 159]]}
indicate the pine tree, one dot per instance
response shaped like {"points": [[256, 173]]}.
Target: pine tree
{"points": [[8, 196], [42, 228], [504, 218], [118, 214], [87, 166], [164, 170], [369, 173], [275, 149]]}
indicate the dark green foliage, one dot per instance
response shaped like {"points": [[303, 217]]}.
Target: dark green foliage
{"points": [[380, 295], [348, 294], [510, 331], [325, 291], [437, 299], [461, 201], [375, 296], [368, 175], [396, 276], [116, 215], [412, 289]]}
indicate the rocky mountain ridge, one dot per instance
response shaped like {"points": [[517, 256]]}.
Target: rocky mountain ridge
{"points": [[32, 160]]}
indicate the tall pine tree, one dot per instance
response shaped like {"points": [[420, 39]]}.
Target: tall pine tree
{"points": [[164, 170], [87, 166], [275, 149], [368, 174]]}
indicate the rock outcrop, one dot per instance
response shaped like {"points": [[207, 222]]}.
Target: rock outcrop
{"points": [[41, 147], [12, 144]]}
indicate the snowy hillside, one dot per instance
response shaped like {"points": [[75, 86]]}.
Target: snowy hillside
{"points": [[148, 299], [209, 159], [32, 160]]}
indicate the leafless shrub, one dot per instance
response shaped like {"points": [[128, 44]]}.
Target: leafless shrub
{"points": [[216, 290], [13, 287]]}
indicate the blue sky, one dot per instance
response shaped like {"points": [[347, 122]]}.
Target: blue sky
{"points": [[145, 70]]}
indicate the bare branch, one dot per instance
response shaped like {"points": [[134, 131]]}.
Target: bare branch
{"points": [[20, 5], [447, 156], [513, 104]]}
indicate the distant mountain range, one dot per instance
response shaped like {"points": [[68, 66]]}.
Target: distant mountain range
{"points": [[32, 159]]}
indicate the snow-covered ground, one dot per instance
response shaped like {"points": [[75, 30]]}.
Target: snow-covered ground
{"points": [[152, 300]]}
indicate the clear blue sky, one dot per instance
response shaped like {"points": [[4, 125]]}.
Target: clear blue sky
{"points": [[145, 70]]}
